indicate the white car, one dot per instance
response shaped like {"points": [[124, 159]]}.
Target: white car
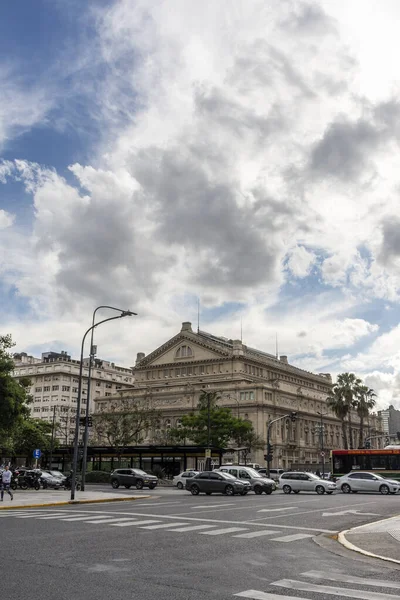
{"points": [[362, 481], [180, 480], [294, 481]]}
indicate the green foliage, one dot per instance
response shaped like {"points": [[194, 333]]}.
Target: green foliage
{"points": [[29, 434], [224, 427], [97, 477], [14, 398], [125, 422]]}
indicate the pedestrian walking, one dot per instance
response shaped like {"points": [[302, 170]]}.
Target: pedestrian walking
{"points": [[6, 483]]}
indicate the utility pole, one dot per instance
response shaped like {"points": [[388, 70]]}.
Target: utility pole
{"points": [[52, 436]]}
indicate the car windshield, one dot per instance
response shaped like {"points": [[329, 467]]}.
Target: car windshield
{"points": [[313, 476], [253, 473], [56, 474], [139, 472], [226, 475]]}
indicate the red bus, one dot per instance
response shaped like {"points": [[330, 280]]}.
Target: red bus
{"points": [[385, 462]]}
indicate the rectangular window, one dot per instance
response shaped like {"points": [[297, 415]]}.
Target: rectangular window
{"points": [[38, 389], [165, 372], [183, 371], [189, 370], [201, 370], [55, 387], [251, 395], [66, 388], [109, 386], [46, 388], [242, 395], [177, 372]]}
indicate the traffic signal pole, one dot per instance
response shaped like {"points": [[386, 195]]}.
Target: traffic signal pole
{"points": [[292, 416]]}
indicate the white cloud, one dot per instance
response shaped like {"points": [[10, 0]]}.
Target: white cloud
{"points": [[6, 219], [235, 148]]}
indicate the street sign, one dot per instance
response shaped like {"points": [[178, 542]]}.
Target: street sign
{"points": [[37, 453], [322, 454]]}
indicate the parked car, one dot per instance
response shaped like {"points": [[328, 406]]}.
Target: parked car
{"points": [[258, 482], [211, 482], [273, 473], [361, 481], [180, 480], [133, 477], [296, 482], [58, 474], [49, 481]]}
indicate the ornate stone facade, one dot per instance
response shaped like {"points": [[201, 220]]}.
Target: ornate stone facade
{"points": [[255, 385]]}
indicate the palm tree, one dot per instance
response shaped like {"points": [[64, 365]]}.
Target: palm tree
{"points": [[340, 407], [364, 403], [349, 386]]}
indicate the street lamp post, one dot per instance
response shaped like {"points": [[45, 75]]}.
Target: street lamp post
{"points": [[292, 416], [52, 437], [78, 405], [320, 428], [91, 357]]}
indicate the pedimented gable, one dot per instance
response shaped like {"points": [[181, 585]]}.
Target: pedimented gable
{"points": [[182, 349]]}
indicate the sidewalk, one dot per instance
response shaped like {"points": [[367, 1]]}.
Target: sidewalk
{"points": [[378, 540], [33, 499]]}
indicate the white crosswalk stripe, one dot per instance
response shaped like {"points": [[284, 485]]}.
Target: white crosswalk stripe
{"points": [[332, 590], [133, 522], [254, 534], [223, 531], [163, 525], [192, 528], [293, 585], [107, 520], [292, 538], [352, 579]]}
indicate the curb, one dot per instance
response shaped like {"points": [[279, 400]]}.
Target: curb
{"points": [[67, 502], [342, 540]]}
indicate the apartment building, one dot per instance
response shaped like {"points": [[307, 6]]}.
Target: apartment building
{"points": [[54, 386]]}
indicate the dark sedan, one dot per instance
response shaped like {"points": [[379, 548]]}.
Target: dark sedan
{"points": [[211, 482]]}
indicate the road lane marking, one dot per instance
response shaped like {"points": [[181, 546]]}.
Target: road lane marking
{"points": [[254, 534], [212, 505], [81, 518], [292, 538], [30, 516], [349, 512], [163, 525], [257, 595], [332, 591], [193, 528], [135, 522], [222, 531], [100, 521], [54, 516], [277, 509], [352, 579], [305, 512], [157, 503]]}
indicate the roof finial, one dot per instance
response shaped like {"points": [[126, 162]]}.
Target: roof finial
{"points": [[198, 314]]}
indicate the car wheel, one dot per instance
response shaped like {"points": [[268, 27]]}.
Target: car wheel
{"points": [[346, 489], [115, 484], [195, 490], [14, 486], [151, 486], [287, 489], [128, 487], [229, 491], [268, 491], [258, 490], [179, 485], [23, 486], [208, 493], [243, 493], [320, 489], [329, 493], [384, 489], [139, 484], [296, 491]]}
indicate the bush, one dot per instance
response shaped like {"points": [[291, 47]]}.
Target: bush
{"points": [[97, 477], [158, 471]]}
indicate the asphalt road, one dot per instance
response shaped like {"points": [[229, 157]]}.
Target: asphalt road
{"points": [[182, 547]]}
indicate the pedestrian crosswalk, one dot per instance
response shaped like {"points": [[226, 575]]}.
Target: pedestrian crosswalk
{"points": [[155, 523], [329, 585]]}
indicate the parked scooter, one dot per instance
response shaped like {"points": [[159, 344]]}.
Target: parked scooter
{"points": [[29, 479], [68, 481]]}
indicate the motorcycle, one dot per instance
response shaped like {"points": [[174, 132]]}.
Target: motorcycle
{"points": [[68, 481], [30, 479]]}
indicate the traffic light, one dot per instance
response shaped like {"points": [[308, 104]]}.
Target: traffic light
{"points": [[90, 422], [293, 416], [82, 421], [368, 444], [270, 453]]}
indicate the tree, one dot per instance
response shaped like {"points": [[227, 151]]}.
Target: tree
{"points": [[338, 404], [14, 398], [29, 434], [213, 425], [364, 402], [125, 421], [349, 388]]}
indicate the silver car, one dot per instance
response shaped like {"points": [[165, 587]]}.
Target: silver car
{"points": [[361, 481], [296, 482]]}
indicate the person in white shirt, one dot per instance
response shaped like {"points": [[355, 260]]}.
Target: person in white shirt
{"points": [[6, 482]]}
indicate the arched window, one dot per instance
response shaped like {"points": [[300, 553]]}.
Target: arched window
{"points": [[167, 423], [179, 423], [184, 352]]}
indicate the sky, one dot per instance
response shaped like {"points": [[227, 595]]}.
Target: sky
{"points": [[243, 154]]}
